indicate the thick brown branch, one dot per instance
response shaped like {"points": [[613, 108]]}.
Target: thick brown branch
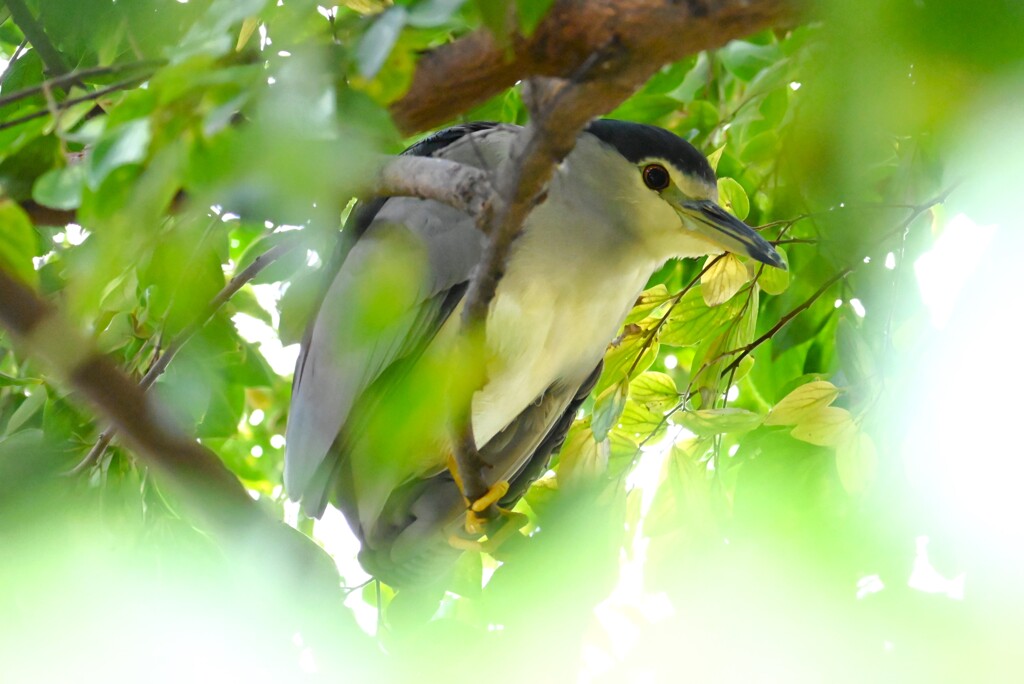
{"points": [[636, 36], [195, 474]]}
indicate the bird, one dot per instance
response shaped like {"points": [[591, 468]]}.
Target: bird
{"points": [[371, 407]]}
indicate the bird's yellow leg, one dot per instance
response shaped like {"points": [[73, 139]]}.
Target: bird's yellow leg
{"points": [[511, 523], [475, 522]]}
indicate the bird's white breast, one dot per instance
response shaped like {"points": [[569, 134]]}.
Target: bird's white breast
{"points": [[550, 322]]}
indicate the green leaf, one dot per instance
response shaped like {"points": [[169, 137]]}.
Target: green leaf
{"points": [[495, 15], [581, 459], [799, 404], [640, 420], [734, 197], [18, 242], [715, 157], [774, 281], [530, 14], [26, 410], [723, 279], [744, 60], [655, 391], [430, 13], [825, 426], [60, 188], [379, 39], [607, 409], [709, 422], [762, 148], [692, 319], [125, 144], [622, 359], [648, 302]]}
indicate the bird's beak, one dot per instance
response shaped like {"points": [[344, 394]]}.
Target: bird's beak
{"points": [[722, 228]]}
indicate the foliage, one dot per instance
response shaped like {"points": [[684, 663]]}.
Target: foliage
{"points": [[746, 457]]}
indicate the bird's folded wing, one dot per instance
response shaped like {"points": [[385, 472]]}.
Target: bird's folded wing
{"points": [[395, 289]]}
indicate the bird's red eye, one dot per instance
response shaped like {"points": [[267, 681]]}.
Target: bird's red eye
{"points": [[655, 177]]}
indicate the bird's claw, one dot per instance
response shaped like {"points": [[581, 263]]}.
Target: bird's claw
{"points": [[509, 524]]}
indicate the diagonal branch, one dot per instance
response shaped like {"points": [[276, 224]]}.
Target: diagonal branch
{"points": [[195, 474], [77, 75]]}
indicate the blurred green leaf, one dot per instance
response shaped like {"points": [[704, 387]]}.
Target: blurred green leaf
{"points": [[18, 242], [60, 188], [126, 144], [379, 39]]}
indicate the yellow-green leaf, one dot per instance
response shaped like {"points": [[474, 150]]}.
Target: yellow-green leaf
{"points": [[715, 157], [723, 279], [249, 26], [648, 301], [774, 280], [802, 402], [581, 458], [656, 391], [733, 197], [692, 320], [639, 420], [825, 426], [708, 422], [856, 459]]}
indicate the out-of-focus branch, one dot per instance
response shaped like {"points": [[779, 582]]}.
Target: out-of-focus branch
{"points": [[194, 473], [78, 75], [639, 36], [206, 490]]}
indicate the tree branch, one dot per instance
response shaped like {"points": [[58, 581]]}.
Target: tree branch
{"points": [[78, 75], [639, 36], [94, 95], [195, 474], [304, 575], [463, 187]]}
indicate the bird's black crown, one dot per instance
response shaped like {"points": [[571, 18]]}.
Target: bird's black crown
{"points": [[638, 142]]}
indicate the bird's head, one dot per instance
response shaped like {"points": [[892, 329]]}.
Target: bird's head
{"points": [[674, 188]]}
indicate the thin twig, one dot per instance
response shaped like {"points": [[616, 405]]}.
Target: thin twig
{"points": [[745, 351], [95, 95], [78, 75], [179, 341]]}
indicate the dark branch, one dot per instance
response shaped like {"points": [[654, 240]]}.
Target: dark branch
{"points": [[78, 75], [639, 35], [95, 95]]}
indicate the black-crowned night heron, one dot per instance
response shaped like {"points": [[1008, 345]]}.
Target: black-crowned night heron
{"points": [[369, 420]]}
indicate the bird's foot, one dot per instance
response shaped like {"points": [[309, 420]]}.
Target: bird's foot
{"points": [[498, 531], [479, 511]]}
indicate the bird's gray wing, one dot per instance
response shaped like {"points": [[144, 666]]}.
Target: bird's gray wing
{"points": [[338, 361]]}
